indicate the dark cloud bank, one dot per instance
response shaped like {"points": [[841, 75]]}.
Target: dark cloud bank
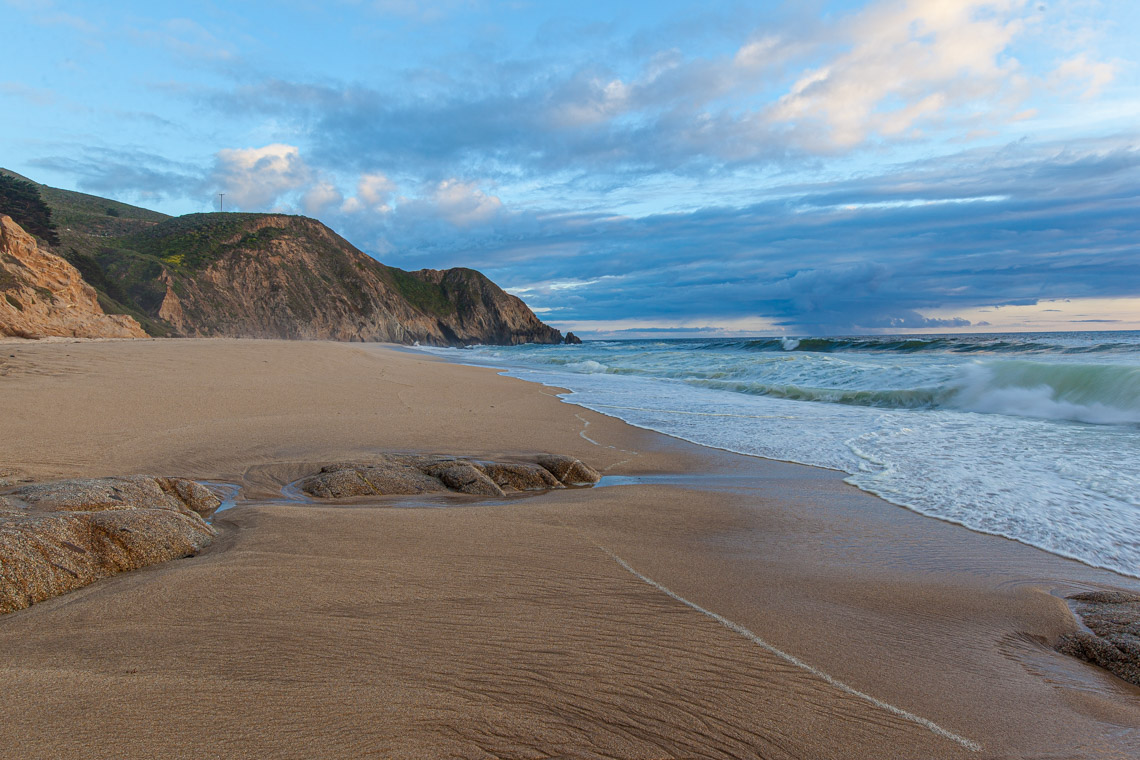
{"points": [[1006, 226], [1010, 226]]}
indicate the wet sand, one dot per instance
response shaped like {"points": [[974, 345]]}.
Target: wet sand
{"points": [[725, 606]]}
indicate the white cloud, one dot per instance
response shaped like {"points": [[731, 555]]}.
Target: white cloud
{"points": [[758, 52], [187, 38], [256, 178], [769, 50], [463, 204], [319, 197], [599, 100], [549, 287], [909, 62], [373, 194], [1092, 75], [30, 94], [45, 13]]}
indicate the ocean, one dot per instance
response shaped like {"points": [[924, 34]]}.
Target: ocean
{"points": [[1035, 437]]}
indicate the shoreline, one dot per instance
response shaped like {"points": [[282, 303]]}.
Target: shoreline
{"points": [[878, 596], [849, 476]]}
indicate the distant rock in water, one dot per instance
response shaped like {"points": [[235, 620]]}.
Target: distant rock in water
{"points": [[573, 340], [42, 295], [400, 474], [62, 535], [264, 276]]}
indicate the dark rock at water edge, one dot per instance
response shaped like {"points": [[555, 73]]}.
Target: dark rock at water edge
{"points": [[572, 340], [571, 471], [410, 474], [521, 476], [1113, 617]]}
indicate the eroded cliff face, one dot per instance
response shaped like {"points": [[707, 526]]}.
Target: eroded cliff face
{"points": [[41, 295], [292, 277], [484, 312]]}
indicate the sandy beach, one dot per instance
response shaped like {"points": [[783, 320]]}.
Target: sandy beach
{"points": [[695, 604]]}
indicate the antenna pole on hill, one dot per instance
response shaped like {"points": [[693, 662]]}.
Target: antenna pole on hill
{"points": [[221, 202]]}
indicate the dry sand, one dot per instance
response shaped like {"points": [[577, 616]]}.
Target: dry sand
{"points": [[724, 607]]}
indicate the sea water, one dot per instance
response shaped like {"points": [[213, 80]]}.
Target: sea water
{"points": [[1035, 437]]}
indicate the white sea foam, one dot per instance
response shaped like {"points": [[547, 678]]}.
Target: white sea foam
{"points": [[1043, 449], [1098, 394], [587, 367]]}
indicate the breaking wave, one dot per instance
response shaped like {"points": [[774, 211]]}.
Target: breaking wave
{"points": [[1100, 394], [911, 345]]}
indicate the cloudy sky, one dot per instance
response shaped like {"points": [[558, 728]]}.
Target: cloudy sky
{"points": [[626, 168]]}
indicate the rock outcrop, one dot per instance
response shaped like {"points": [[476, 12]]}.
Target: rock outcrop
{"points": [[42, 295], [62, 535], [277, 276], [400, 474], [1113, 617], [571, 471], [572, 339]]}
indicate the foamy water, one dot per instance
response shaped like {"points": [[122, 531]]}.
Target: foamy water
{"points": [[1033, 437]]}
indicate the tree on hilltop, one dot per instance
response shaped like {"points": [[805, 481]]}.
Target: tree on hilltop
{"points": [[21, 200]]}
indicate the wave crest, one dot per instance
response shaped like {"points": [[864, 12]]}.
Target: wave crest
{"points": [[912, 345], [1093, 393], [1099, 394]]}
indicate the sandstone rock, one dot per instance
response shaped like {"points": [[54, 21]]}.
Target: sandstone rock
{"points": [[399, 474], [465, 478], [194, 495], [134, 492], [386, 476], [522, 477], [434, 465], [1113, 617], [42, 295], [572, 339], [569, 470], [339, 483], [56, 537]]}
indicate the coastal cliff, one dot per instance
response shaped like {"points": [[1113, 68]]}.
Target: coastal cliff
{"points": [[278, 276], [249, 275], [41, 295]]}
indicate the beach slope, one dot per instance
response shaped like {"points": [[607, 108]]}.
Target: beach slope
{"points": [[695, 604]]}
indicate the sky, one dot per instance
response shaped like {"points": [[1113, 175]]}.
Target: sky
{"points": [[632, 169]]}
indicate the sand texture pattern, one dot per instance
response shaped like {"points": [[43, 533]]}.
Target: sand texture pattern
{"points": [[692, 604]]}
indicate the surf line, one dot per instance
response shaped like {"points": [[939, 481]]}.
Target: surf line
{"points": [[585, 424], [582, 432], [792, 659], [696, 414]]}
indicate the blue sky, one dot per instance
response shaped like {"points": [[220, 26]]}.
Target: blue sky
{"points": [[809, 167]]}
